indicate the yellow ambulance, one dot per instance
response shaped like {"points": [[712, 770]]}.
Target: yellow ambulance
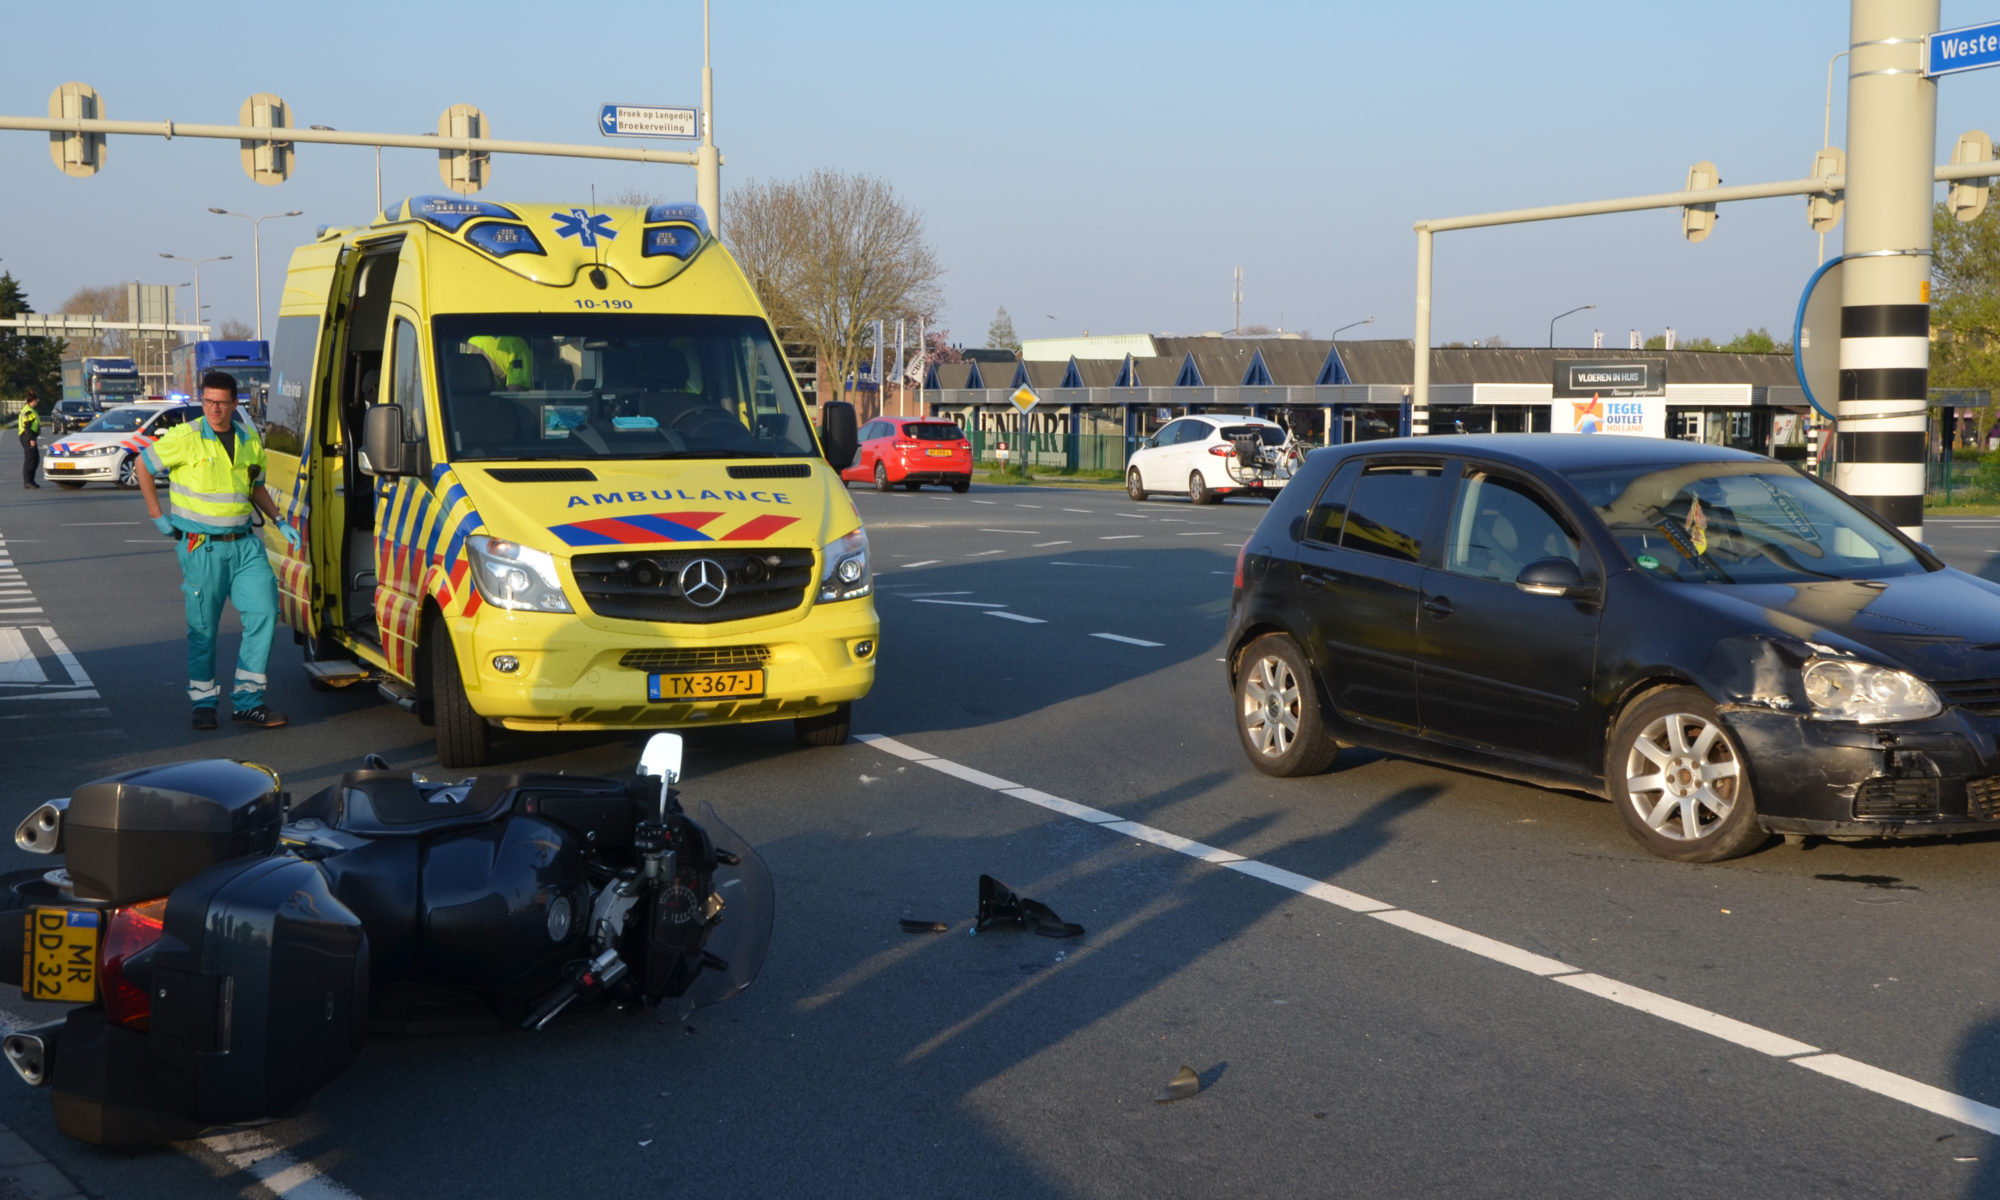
{"points": [[553, 472]]}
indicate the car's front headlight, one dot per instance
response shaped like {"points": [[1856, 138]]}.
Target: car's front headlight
{"points": [[96, 451], [1844, 690], [845, 575], [511, 575]]}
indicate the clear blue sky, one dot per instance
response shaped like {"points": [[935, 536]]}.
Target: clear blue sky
{"points": [[1104, 164]]}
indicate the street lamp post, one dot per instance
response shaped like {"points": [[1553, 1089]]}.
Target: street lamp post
{"points": [[1559, 316], [197, 276], [1368, 320], [256, 254]]}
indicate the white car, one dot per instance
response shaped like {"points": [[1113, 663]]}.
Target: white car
{"points": [[107, 449], [1198, 454]]}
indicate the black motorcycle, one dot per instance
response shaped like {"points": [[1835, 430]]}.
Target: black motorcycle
{"points": [[228, 951]]}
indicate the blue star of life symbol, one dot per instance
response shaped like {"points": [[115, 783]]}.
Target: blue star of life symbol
{"points": [[585, 227]]}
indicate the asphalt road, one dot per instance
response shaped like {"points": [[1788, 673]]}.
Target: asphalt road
{"points": [[1483, 1004]]}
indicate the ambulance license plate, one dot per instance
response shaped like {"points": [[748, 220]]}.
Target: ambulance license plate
{"points": [[62, 955], [706, 685]]}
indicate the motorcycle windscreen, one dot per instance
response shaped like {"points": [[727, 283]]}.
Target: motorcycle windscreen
{"points": [[743, 935]]}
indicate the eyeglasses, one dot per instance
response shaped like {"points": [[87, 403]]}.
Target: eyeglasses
{"points": [[207, 403]]}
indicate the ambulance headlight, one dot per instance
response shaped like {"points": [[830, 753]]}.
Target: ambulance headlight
{"points": [[510, 575], [845, 575]]}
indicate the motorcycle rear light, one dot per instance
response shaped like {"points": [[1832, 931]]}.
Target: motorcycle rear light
{"points": [[130, 931], [1240, 553]]}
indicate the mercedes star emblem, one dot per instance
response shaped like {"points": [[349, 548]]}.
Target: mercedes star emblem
{"points": [[704, 582]]}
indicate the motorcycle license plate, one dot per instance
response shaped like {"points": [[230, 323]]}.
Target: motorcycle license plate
{"points": [[938, 452], [706, 685], [62, 955]]}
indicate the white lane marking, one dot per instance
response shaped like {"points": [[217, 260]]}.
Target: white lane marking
{"points": [[89, 524], [940, 593], [17, 661], [1134, 516], [1029, 531], [1130, 641], [984, 553], [1017, 617], [1105, 566], [1201, 533], [19, 612], [986, 502], [1027, 506], [264, 1160], [928, 562], [963, 603], [1081, 510], [1118, 537], [1039, 545], [1888, 1084]]}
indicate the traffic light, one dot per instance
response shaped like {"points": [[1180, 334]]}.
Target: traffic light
{"points": [[1698, 220], [266, 162], [77, 154], [1823, 211], [1967, 198], [463, 171]]}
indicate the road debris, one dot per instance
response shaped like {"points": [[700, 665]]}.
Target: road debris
{"points": [[1185, 1083], [999, 905]]}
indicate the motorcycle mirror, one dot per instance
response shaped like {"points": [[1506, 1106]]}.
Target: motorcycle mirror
{"points": [[662, 758]]}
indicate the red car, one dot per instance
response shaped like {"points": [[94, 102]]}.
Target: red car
{"points": [[912, 451]]}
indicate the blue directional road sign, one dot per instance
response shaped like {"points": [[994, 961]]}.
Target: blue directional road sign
{"points": [[1952, 50], [648, 121]]}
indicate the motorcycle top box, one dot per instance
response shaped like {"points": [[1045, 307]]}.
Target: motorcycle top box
{"points": [[135, 836]]}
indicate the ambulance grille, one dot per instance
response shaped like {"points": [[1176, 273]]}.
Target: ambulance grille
{"points": [[646, 587], [542, 474], [773, 471], [702, 658]]}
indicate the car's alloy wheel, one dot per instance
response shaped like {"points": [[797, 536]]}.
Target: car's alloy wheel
{"points": [[1277, 711], [128, 471], [1133, 485], [1198, 489], [881, 476], [1680, 781]]}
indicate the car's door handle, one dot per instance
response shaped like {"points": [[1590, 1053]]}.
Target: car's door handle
{"points": [[1438, 606], [1315, 580]]}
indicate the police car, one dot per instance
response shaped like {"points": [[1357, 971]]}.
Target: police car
{"points": [[107, 450]]}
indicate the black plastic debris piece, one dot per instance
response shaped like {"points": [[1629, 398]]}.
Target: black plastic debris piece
{"points": [[1185, 1083], [910, 926], [999, 906]]}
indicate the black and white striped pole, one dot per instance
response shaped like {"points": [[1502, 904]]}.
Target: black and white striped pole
{"points": [[1885, 285]]}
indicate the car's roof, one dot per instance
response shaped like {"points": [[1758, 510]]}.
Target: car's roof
{"points": [[1562, 451]]}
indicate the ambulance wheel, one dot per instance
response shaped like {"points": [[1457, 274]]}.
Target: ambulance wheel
{"points": [[827, 729], [464, 739], [128, 471], [68, 485]]}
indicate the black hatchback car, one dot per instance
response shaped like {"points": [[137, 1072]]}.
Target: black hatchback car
{"points": [[1722, 646]]}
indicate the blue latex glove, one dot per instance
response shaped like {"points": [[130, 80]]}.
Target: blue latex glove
{"points": [[165, 526], [291, 533]]}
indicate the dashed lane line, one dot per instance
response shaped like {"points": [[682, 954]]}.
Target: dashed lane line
{"points": [[1200, 533], [1034, 532], [958, 603], [1040, 545], [1900, 1088], [1118, 537], [1102, 566], [1008, 616], [1080, 510], [928, 562], [1129, 641], [984, 553]]}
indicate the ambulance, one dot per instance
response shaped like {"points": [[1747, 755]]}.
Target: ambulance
{"points": [[552, 472]]}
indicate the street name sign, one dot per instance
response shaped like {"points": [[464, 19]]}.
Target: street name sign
{"points": [[648, 121], [1952, 50]]}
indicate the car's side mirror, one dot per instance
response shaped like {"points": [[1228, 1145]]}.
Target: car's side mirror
{"points": [[1554, 577], [382, 441], [837, 434]]}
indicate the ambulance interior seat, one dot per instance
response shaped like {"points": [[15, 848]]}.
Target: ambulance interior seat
{"points": [[660, 381], [476, 409]]}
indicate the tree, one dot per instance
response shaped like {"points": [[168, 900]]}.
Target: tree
{"points": [[1965, 300], [1000, 334], [106, 303], [1755, 341], [27, 362], [235, 329], [829, 255]]}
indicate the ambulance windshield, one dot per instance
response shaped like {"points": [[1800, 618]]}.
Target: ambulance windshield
{"points": [[594, 385]]}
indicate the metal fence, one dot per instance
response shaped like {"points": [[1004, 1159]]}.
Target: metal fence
{"points": [[1070, 453]]}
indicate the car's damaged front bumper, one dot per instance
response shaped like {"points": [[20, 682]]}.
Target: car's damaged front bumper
{"points": [[1939, 775]]}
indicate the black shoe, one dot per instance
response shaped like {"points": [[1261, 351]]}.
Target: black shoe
{"points": [[263, 716], [204, 718]]}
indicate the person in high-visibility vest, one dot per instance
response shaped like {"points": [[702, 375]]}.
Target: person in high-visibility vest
{"points": [[214, 468], [31, 434]]}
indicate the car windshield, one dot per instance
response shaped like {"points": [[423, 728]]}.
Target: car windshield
{"points": [[935, 431], [616, 386], [1721, 522], [119, 420], [1272, 435]]}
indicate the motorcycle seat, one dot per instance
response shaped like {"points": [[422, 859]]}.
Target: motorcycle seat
{"points": [[390, 804]]}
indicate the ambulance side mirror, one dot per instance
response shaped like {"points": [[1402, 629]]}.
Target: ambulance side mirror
{"points": [[837, 434], [382, 441]]}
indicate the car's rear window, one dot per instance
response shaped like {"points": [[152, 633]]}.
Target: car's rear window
{"points": [[935, 431], [1272, 435]]}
